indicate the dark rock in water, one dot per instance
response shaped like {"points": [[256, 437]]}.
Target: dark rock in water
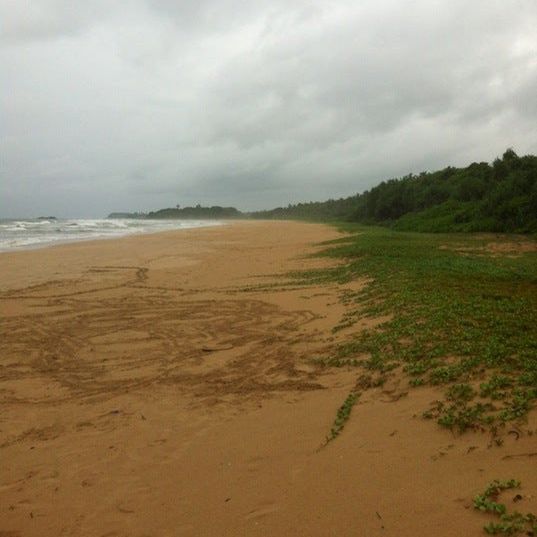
{"points": [[47, 218]]}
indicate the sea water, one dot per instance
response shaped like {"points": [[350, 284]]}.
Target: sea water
{"points": [[35, 233]]}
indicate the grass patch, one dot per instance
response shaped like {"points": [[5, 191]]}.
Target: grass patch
{"points": [[464, 322]]}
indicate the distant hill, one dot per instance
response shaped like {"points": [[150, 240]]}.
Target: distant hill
{"points": [[126, 215], [185, 213], [500, 197]]}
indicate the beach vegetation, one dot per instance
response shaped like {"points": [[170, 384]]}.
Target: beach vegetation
{"points": [[342, 416], [459, 315], [508, 523]]}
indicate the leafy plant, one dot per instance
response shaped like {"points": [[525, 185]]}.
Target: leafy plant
{"points": [[342, 415], [510, 523]]}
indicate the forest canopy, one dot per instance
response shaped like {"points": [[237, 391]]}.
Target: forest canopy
{"points": [[498, 197]]}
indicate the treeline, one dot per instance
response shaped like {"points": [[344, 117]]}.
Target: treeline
{"points": [[340, 209], [499, 197], [197, 212]]}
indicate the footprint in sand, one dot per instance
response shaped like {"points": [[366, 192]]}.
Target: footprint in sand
{"points": [[263, 510], [296, 471], [254, 464]]}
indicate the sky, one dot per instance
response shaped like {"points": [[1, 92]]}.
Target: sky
{"points": [[144, 104]]}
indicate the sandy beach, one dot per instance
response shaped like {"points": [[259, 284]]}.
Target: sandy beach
{"points": [[163, 385]]}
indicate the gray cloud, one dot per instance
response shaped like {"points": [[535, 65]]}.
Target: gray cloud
{"points": [[144, 104]]}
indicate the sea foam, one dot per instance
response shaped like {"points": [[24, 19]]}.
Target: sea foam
{"points": [[36, 233]]}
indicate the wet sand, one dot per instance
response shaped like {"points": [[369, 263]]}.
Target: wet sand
{"points": [[150, 387]]}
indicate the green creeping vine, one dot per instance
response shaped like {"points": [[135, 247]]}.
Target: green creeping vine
{"points": [[456, 315], [510, 523], [342, 416]]}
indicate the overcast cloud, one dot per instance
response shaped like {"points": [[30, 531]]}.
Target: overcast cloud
{"points": [[137, 105]]}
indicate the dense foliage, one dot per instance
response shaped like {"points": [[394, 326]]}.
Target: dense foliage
{"points": [[480, 197], [340, 209]]}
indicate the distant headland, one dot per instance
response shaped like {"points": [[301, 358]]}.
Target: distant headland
{"points": [[197, 212]]}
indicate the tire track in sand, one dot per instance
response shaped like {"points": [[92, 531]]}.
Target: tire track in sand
{"points": [[92, 343]]}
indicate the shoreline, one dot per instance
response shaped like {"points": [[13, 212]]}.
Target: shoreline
{"points": [[164, 384], [60, 242]]}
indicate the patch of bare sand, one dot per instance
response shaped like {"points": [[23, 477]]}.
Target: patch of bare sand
{"points": [[145, 391], [514, 246]]}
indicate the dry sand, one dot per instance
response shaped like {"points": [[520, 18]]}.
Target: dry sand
{"points": [[148, 388]]}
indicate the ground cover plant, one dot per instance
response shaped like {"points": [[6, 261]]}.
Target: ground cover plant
{"points": [[510, 523], [460, 317], [342, 416]]}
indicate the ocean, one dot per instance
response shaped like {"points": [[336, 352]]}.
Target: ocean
{"points": [[37, 233]]}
